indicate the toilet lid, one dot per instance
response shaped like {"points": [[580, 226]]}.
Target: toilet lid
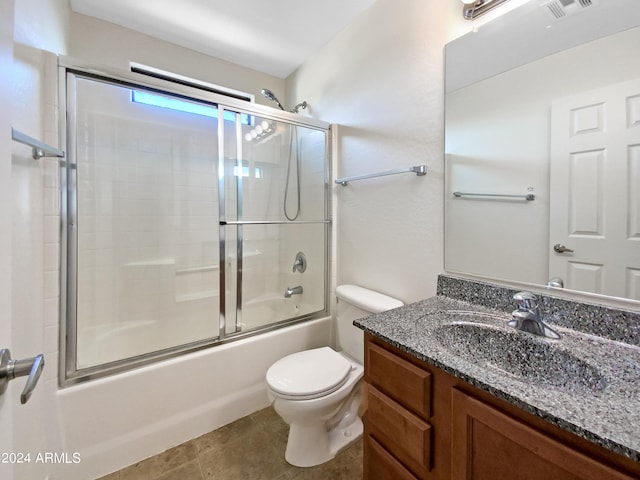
{"points": [[308, 373]]}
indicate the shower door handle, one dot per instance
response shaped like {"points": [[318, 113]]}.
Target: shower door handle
{"points": [[10, 369]]}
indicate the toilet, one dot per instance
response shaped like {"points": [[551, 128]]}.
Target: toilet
{"points": [[318, 392]]}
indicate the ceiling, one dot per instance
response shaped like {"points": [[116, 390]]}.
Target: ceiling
{"points": [[271, 36]]}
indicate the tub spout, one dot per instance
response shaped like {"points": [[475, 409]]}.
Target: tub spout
{"points": [[293, 291]]}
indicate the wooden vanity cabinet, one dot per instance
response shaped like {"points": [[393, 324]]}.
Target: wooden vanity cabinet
{"points": [[422, 423]]}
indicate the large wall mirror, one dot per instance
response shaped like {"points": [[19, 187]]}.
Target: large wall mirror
{"points": [[542, 147]]}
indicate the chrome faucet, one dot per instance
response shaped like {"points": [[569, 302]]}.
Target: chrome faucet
{"points": [[300, 263], [293, 291], [527, 317]]}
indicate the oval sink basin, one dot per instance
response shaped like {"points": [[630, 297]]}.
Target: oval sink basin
{"points": [[522, 356]]}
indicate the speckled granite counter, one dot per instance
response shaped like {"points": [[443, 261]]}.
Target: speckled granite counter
{"points": [[604, 409]]}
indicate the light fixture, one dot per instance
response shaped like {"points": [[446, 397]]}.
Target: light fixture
{"points": [[472, 10], [260, 131]]}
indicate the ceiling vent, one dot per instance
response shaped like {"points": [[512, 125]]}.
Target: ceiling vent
{"points": [[563, 8]]}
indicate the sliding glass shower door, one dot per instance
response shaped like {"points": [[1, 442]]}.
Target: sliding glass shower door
{"points": [[146, 225], [184, 219], [275, 211]]}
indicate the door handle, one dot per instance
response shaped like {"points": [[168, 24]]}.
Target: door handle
{"points": [[561, 249], [10, 369]]}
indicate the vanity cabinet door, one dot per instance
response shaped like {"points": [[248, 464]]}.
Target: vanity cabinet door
{"points": [[381, 465], [490, 445]]}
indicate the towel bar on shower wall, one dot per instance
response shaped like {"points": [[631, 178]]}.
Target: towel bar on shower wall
{"points": [[39, 149], [419, 170]]}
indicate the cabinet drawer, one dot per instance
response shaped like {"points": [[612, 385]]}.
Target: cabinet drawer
{"points": [[381, 465], [402, 433], [404, 382]]}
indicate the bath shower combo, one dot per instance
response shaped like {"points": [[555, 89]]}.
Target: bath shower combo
{"points": [[177, 235]]}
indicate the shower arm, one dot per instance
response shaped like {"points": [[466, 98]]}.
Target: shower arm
{"points": [[297, 108]]}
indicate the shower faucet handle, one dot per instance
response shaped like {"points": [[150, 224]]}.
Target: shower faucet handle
{"points": [[300, 263]]}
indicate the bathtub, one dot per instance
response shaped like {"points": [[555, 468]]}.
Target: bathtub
{"points": [[119, 420]]}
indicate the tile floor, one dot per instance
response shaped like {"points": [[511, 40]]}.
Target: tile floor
{"points": [[250, 448]]}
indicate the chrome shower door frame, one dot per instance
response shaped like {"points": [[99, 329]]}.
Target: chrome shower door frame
{"points": [[69, 70]]}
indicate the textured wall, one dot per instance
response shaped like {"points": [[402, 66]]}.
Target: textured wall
{"points": [[381, 81], [6, 51]]}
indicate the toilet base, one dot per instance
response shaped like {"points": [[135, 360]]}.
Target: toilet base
{"points": [[319, 428], [311, 445]]}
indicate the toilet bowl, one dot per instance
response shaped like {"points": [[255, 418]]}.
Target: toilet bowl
{"points": [[318, 392]]}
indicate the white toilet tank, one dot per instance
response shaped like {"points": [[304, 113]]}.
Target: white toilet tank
{"points": [[356, 302]]}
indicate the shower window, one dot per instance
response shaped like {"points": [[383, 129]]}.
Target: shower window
{"points": [[182, 224]]}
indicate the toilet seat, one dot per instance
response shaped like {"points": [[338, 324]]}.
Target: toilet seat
{"points": [[309, 374]]}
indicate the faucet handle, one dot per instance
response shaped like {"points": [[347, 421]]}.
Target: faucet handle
{"points": [[526, 300], [300, 263]]}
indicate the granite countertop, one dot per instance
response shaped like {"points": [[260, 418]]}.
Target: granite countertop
{"points": [[604, 408]]}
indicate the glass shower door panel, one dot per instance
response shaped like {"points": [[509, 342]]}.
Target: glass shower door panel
{"points": [[147, 274], [282, 170], [268, 258], [275, 203]]}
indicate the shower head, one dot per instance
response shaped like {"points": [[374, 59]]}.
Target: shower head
{"points": [[270, 96]]}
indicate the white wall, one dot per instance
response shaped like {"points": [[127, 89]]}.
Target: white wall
{"points": [[43, 24], [6, 53], [33, 194], [381, 80], [34, 255], [104, 43]]}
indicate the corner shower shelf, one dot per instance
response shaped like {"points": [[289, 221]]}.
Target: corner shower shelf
{"points": [[419, 170], [39, 148]]}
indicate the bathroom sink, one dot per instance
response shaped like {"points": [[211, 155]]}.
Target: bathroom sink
{"points": [[521, 356]]}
